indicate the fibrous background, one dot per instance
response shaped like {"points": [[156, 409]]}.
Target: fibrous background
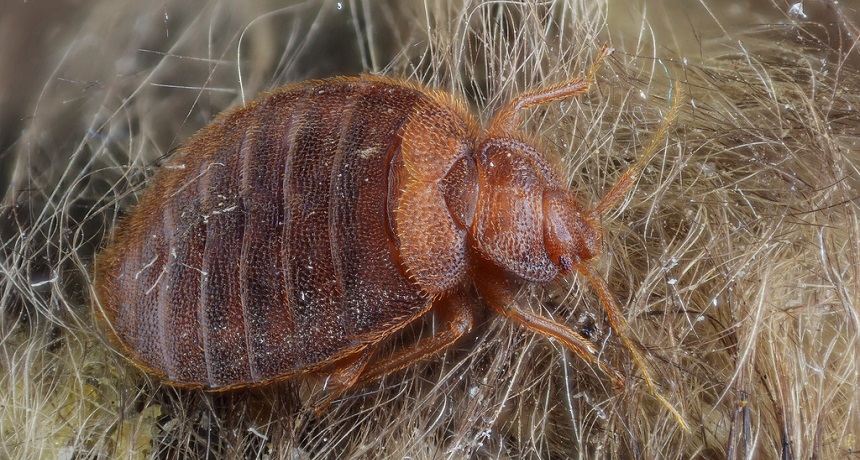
{"points": [[735, 257]]}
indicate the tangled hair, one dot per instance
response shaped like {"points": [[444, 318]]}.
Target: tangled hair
{"points": [[736, 256]]}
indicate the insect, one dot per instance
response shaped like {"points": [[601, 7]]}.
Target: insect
{"points": [[296, 233]]}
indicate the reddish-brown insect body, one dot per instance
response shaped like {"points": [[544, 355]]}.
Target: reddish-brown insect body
{"points": [[298, 232]]}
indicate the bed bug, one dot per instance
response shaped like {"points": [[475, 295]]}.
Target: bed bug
{"points": [[296, 233]]}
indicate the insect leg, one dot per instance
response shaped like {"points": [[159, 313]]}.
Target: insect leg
{"points": [[499, 294], [454, 310], [343, 377]]}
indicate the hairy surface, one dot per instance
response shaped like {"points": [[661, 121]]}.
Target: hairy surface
{"points": [[736, 256]]}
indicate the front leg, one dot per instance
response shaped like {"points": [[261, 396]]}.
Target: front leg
{"points": [[499, 292]]}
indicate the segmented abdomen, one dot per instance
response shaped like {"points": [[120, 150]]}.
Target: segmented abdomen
{"points": [[264, 247]]}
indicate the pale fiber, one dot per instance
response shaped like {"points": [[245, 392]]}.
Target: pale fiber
{"points": [[735, 257]]}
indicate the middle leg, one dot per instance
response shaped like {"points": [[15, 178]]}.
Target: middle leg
{"points": [[454, 310]]}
